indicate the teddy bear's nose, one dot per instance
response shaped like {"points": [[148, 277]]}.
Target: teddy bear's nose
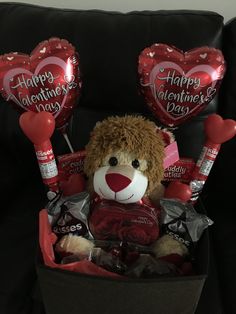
{"points": [[117, 182]]}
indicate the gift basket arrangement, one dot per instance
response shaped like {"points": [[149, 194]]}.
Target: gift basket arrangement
{"points": [[123, 214]]}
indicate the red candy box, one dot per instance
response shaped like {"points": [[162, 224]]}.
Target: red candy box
{"points": [[181, 170], [70, 164]]}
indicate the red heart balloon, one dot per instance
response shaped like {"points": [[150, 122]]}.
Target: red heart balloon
{"points": [[218, 130], [178, 190], [46, 80], [38, 127], [75, 184], [178, 85]]}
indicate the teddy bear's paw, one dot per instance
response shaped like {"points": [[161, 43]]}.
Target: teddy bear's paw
{"points": [[75, 244], [166, 245]]}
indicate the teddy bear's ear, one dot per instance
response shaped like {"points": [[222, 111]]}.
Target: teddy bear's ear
{"points": [[167, 136], [97, 124], [93, 131], [91, 134]]}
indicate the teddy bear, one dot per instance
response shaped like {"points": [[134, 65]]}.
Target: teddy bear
{"points": [[125, 156], [124, 166]]}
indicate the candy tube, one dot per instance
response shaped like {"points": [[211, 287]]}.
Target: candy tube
{"points": [[217, 132], [39, 127], [203, 168], [47, 165]]}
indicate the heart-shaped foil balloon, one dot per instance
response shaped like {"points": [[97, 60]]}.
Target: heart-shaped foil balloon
{"points": [[46, 80], [178, 85]]}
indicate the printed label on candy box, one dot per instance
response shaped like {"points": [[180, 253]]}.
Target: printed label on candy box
{"points": [[70, 164], [180, 170]]}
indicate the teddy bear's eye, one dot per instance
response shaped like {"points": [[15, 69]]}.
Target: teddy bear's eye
{"points": [[135, 163], [113, 161]]}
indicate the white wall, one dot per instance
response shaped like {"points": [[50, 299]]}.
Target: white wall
{"points": [[227, 8]]}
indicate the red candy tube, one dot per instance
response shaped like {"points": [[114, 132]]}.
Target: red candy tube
{"points": [[39, 127], [47, 165], [217, 132], [203, 168]]}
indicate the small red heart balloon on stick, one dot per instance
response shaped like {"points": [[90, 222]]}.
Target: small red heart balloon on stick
{"points": [[178, 190], [39, 127], [217, 132]]}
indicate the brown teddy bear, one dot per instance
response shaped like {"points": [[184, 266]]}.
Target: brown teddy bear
{"points": [[124, 166], [129, 146]]}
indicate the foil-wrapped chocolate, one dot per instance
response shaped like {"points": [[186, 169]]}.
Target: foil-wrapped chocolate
{"points": [[69, 215], [182, 222], [134, 222]]}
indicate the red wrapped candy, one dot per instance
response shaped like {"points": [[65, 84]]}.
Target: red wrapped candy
{"points": [[135, 222]]}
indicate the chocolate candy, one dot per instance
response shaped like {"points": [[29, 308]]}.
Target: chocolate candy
{"points": [[136, 222], [69, 215], [182, 222]]}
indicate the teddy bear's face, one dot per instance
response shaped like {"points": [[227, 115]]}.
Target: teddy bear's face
{"points": [[124, 158], [120, 177]]}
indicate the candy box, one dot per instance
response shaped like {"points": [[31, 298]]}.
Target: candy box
{"points": [[64, 290], [180, 170], [69, 164]]}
